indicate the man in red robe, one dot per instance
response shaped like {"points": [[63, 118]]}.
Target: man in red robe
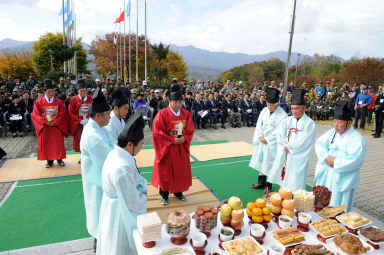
{"points": [[78, 111], [51, 123], [172, 135]]}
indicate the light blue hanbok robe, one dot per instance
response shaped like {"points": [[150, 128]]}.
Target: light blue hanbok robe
{"points": [[299, 146], [123, 200], [115, 126], [95, 144], [264, 154], [349, 151]]}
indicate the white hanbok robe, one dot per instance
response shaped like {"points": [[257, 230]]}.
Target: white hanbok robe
{"points": [[115, 126], [123, 200], [299, 145], [264, 154], [95, 144], [349, 151]]}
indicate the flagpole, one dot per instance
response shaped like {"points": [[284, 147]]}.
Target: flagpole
{"points": [[121, 54], [129, 50], [145, 42], [117, 53], [63, 30], [75, 56], [137, 41], [125, 65]]}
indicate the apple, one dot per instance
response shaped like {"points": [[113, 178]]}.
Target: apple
{"points": [[237, 214], [235, 203], [235, 224], [225, 219], [226, 210]]}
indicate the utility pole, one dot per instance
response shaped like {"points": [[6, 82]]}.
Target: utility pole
{"points": [[289, 52], [145, 42], [297, 67]]}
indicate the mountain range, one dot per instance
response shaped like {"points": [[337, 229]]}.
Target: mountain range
{"points": [[202, 64]]}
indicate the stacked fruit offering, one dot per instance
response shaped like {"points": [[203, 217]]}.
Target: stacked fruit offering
{"points": [[258, 211], [232, 214], [283, 203]]}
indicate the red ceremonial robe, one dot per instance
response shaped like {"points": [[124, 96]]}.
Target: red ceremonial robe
{"points": [[50, 144], [77, 109], [172, 167]]}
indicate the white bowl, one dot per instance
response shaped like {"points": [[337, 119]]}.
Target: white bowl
{"points": [[257, 230], [276, 249], [198, 239], [284, 224], [304, 218], [225, 238]]}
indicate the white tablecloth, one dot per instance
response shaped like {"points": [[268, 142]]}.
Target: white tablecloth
{"points": [[213, 242]]}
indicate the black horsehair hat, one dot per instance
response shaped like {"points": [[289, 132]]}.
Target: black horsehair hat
{"points": [[273, 95], [175, 92], [298, 97], [343, 111], [99, 103], [81, 84], [133, 131], [119, 98]]}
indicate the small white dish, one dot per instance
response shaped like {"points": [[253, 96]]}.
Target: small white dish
{"points": [[198, 239], [276, 249], [257, 230], [226, 238], [304, 217], [285, 221]]}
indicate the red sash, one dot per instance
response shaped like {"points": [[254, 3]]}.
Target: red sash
{"points": [[286, 154]]}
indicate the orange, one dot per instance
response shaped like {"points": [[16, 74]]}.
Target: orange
{"points": [[250, 206], [257, 211], [257, 219], [249, 213], [260, 202], [267, 210], [267, 217]]}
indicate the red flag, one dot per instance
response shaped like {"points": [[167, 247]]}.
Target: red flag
{"points": [[120, 18]]}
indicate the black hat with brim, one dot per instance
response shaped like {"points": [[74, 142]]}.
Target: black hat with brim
{"points": [[81, 84], [298, 97], [175, 92], [133, 131], [99, 103], [119, 98], [48, 84], [343, 111], [273, 95]]}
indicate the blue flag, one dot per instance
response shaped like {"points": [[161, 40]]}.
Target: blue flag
{"points": [[65, 9], [70, 19], [128, 10]]}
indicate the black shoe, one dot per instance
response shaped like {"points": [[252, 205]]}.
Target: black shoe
{"points": [[373, 134], [223, 127], [21, 135], [48, 165], [198, 127], [261, 183], [214, 127], [377, 136], [233, 125], [164, 201], [181, 196], [248, 125], [204, 127], [61, 162], [238, 126], [79, 161], [14, 135]]}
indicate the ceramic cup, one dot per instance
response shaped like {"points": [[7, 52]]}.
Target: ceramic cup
{"points": [[276, 249], [284, 224], [225, 238], [198, 239], [257, 230], [305, 218]]}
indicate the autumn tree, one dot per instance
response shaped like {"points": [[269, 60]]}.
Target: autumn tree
{"points": [[105, 53], [160, 53], [256, 74], [369, 70], [16, 64], [51, 45]]}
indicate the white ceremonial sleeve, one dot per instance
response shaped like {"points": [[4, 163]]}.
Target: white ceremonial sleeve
{"points": [[304, 141], [354, 158]]}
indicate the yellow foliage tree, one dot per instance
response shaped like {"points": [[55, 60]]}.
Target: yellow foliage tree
{"points": [[177, 68], [227, 76], [16, 64]]}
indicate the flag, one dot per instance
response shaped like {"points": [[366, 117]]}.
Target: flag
{"points": [[120, 18], [70, 19], [115, 38], [128, 10], [65, 9]]}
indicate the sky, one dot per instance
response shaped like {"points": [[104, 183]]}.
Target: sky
{"points": [[346, 28]]}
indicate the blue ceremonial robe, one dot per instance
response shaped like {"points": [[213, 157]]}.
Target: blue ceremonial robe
{"points": [[115, 126], [264, 154], [301, 138], [123, 200], [95, 144], [349, 150]]}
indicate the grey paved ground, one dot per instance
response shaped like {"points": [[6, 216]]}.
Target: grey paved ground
{"points": [[369, 195]]}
